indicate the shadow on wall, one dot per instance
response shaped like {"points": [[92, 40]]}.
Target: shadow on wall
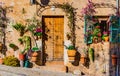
{"points": [[45, 2], [77, 60]]}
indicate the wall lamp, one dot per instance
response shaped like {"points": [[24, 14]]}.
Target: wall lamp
{"points": [[32, 2]]}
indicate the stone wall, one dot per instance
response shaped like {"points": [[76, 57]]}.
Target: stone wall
{"points": [[15, 14]]}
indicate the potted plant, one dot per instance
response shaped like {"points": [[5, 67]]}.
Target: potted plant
{"points": [[114, 59], [83, 55], [21, 55], [35, 49], [71, 52], [105, 36], [38, 32], [34, 54]]}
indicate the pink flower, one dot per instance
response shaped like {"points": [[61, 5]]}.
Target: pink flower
{"points": [[38, 30], [89, 9], [105, 32]]}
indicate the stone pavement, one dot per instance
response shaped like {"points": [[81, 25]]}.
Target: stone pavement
{"points": [[19, 71]]}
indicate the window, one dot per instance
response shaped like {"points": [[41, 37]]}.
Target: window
{"points": [[96, 29]]}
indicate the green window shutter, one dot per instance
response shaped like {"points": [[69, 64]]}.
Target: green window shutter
{"points": [[119, 30], [87, 37], [114, 29], [114, 36]]}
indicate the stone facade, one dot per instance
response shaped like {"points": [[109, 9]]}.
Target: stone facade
{"points": [[15, 14]]}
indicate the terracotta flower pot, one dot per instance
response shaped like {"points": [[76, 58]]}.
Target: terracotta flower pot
{"points": [[1, 60], [106, 38], [21, 56], [114, 60], [34, 59], [99, 34], [71, 58], [71, 53], [34, 54], [83, 59]]}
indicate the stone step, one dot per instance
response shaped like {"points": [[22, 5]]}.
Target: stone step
{"points": [[56, 66]]}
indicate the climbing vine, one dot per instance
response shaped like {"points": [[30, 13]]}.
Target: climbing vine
{"points": [[70, 13]]}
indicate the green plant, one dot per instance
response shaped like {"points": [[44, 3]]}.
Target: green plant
{"points": [[35, 49], [19, 27], [13, 46], [11, 61], [91, 54], [71, 47], [27, 41], [96, 31], [32, 25]]}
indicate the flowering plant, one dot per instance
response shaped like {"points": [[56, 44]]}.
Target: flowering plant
{"points": [[38, 32], [89, 9], [105, 33]]}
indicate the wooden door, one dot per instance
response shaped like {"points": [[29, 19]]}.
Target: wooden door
{"points": [[54, 36]]}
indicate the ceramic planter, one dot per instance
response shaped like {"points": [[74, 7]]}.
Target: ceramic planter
{"points": [[114, 60]]}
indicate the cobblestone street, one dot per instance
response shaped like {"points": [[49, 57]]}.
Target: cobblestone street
{"points": [[18, 71]]}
